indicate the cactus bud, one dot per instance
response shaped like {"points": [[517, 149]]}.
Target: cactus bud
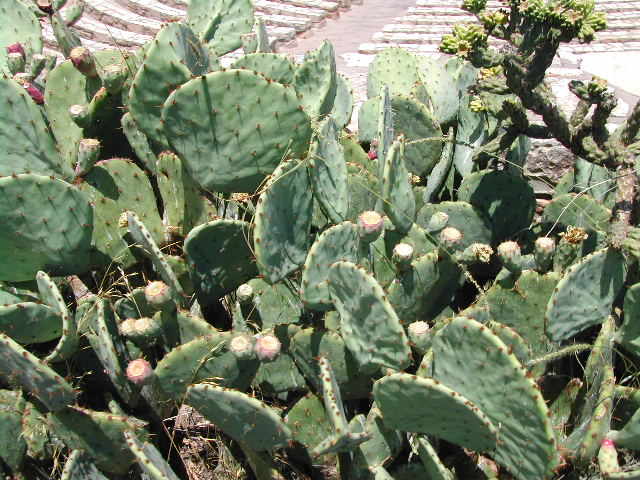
{"points": [[420, 336], [511, 257], [608, 458], [113, 77], [402, 256], [15, 62], [16, 48], [544, 249], [88, 153], [243, 347], [82, 59], [450, 239], [370, 226], [244, 293], [437, 222], [140, 373], [267, 348], [158, 295], [80, 115]]}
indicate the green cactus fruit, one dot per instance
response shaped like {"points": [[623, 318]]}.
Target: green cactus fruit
{"points": [[466, 218], [158, 296], [315, 81], [282, 222], [398, 200], [48, 226], [243, 347], [15, 62], [13, 446], [370, 225], [80, 467], [149, 458], [578, 301], [144, 332], [543, 250], [88, 154], [267, 347], [444, 413], [113, 77], [328, 171], [19, 366], [239, 138], [220, 25], [220, 258], [381, 340], [510, 255], [230, 410], [393, 66], [450, 242], [608, 457], [100, 434], [420, 335], [273, 66], [403, 255], [526, 443], [174, 57]]}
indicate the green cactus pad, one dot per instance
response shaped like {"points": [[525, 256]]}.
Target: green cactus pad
{"points": [[80, 467], [506, 199], [110, 348], [143, 239], [232, 140], [576, 211], [471, 222], [433, 465], [115, 186], [220, 258], [398, 200], [308, 421], [440, 172], [338, 242], [12, 443], [282, 222], [30, 322], [369, 325], [243, 418], [438, 82], [68, 342], [273, 304], [174, 57], [425, 289], [368, 119], [221, 24], [273, 66], [423, 405], [474, 362], [143, 148], [26, 144], [204, 358], [521, 306], [343, 103], [20, 366], [20, 25], [315, 80], [41, 443], [310, 344], [384, 126], [422, 132], [585, 294], [629, 333], [470, 135], [100, 434], [47, 226], [393, 66], [328, 171], [149, 459]]}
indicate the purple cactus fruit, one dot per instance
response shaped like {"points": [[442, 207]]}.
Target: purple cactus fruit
{"points": [[370, 225], [16, 48], [267, 348], [372, 154], [140, 373], [82, 59], [31, 89]]}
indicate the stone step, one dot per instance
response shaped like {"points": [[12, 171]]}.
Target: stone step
{"points": [[112, 15], [154, 9], [332, 8], [90, 29], [434, 19], [434, 3], [299, 24], [51, 44], [316, 15], [443, 10], [441, 27]]}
